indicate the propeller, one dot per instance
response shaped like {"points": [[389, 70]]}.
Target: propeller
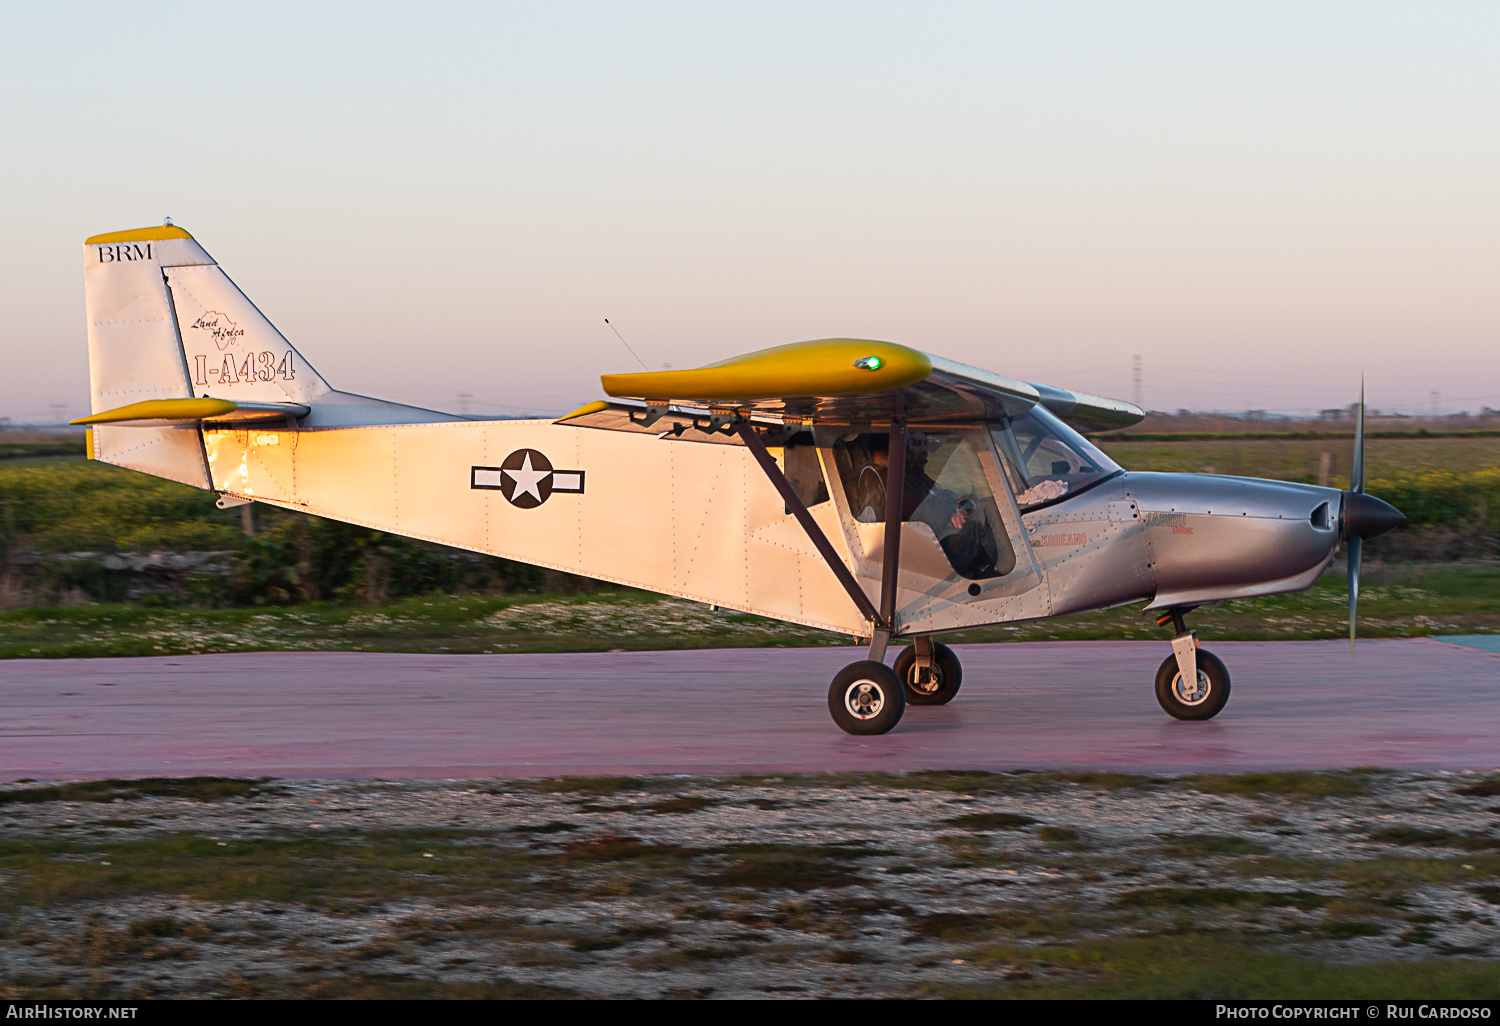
{"points": [[1356, 487], [1362, 516]]}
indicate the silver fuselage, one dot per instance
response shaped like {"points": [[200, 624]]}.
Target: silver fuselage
{"points": [[1196, 538]]}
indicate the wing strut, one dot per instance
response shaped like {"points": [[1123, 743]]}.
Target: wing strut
{"points": [[799, 510], [895, 484]]}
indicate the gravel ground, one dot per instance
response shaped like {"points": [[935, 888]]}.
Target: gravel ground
{"points": [[853, 886]]}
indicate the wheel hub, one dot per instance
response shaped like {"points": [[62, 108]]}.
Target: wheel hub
{"points": [[1196, 695], [928, 682], [864, 699]]}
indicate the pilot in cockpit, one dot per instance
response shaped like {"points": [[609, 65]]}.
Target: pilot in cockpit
{"points": [[961, 526]]}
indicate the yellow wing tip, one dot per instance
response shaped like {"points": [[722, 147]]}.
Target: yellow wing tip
{"points": [[584, 410], [152, 234]]}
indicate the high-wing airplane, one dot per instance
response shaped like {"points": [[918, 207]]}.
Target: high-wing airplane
{"points": [[858, 486]]}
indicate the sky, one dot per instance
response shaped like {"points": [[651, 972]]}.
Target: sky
{"points": [[440, 203]]}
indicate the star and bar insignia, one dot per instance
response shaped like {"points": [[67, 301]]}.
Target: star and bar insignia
{"points": [[526, 478]]}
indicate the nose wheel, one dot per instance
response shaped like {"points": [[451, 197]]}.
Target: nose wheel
{"points": [[1202, 699], [1191, 684], [866, 698]]}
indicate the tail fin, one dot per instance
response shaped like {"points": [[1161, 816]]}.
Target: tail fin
{"points": [[164, 322]]}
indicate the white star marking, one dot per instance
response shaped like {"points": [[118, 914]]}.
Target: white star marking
{"points": [[528, 481]]}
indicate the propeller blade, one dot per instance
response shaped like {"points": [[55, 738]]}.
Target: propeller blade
{"points": [[1355, 544], [1357, 475]]}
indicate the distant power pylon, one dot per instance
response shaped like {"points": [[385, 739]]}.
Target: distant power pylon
{"points": [[1135, 381]]}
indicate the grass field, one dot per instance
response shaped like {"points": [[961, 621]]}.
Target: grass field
{"points": [[1399, 600], [1346, 884], [1298, 459], [306, 583]]}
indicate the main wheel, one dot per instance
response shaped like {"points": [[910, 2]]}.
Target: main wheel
{"points": [[935, 686], [866, 698], [1202, 701]]}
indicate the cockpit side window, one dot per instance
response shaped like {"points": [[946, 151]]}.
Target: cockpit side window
{"points": [[1045, 459], [944, 487]]}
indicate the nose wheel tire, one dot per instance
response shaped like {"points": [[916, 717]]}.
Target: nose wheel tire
{"points": [[934, 686], [1201, 701], [866, 698]]}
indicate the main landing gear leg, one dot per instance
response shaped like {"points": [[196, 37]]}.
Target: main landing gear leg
{"points": [[930, 671], [1192, 684], [867, 698]]}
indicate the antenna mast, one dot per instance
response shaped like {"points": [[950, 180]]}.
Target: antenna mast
{"points": [[625, 344]]}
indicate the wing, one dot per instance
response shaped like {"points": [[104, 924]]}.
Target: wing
{"points": [[837, 381]]}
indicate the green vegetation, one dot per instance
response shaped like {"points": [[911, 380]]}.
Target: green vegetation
{"points": [[287, 869], [992, 821], [1302, 784], [80, 539], [791, 867], [439, 623], [1433, 838], [1194, 846], [1290, 458], [202, 789], [62, 520], [68, 505], [1218, 897], [41, 448], [1228, 964], [1397, 600]]}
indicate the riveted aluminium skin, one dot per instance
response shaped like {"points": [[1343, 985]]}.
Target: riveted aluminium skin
{"points": [[1214, 537], [1092, 550]]}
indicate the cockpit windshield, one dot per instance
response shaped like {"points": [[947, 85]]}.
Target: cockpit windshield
{"points": [[1045, 459]]}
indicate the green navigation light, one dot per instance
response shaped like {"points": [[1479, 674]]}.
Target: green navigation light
{"points": [[868, 363]]}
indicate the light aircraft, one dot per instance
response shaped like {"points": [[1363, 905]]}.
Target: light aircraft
{"points": [[857, 486]]}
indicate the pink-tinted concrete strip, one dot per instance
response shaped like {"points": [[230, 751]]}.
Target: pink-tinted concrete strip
{"points": [[1412, 704]]}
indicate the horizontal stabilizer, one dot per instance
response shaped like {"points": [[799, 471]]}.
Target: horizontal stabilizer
{"points": [[182, 412]]}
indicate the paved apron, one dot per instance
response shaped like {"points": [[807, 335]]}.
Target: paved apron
{"points": [[1408, 703]]}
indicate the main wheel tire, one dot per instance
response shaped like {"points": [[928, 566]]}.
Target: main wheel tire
{"points": [[939, 684], [1203, 702], [866, 698]]}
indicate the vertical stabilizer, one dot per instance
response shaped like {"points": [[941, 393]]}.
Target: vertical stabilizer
{"points": [[230, 350], [165, 322]]}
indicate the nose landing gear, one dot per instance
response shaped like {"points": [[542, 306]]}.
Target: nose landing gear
{"points": [[1191, 684]]}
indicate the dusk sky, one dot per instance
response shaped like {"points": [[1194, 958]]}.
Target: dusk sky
{"points": [[440, 203]]}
